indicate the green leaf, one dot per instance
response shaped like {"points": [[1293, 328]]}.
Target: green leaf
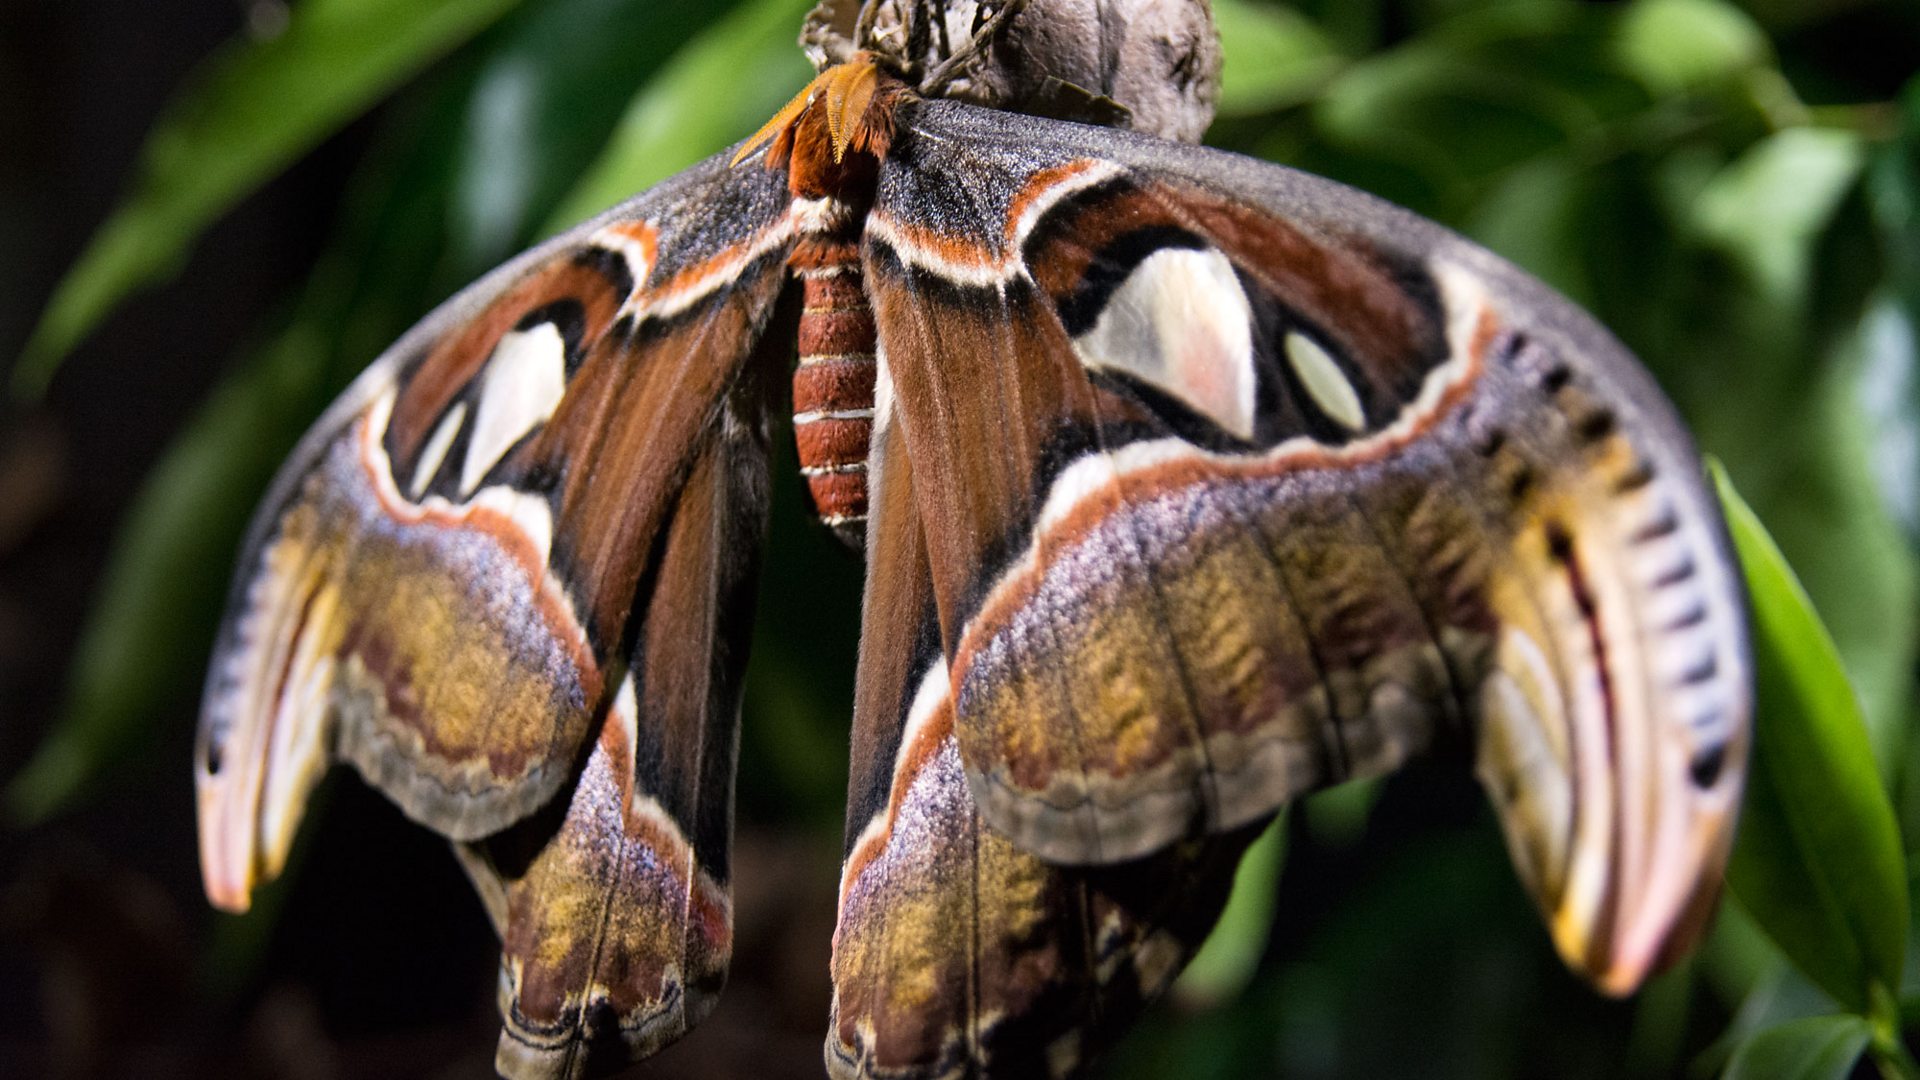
{"points": [[144, 648], [1803, 449], [1227, 960], [1847, 541], [1818, 861], [1679, 45], [1778, 995], [1738, 959], [1768, 207], [1354, 25], [546, 101], [1890, 381], [250, 112], [1660, 1010], [1532, 215], [1487, 90], [1337, 817], [168, 572], [720, 87], [1274, 57], [1817, 1048], [1889, 388]]}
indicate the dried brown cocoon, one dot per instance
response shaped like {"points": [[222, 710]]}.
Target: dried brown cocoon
{"points": [[1158, 59]]}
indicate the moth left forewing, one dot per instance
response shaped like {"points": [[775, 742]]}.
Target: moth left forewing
{"points": [[433, 590], [1267, 484], [616, 922]]}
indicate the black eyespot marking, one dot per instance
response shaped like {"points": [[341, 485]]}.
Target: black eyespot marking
{"points": [[213, 757], [1559, 543], [1110, 268], [1666, 524], [1704, 671], [1520, 482], [611, 264], [542, 477], [1693, 616], [1707, 765], [1597, 425], [569, 319], [1675, 574], [1510, 346], [1635, 478]]}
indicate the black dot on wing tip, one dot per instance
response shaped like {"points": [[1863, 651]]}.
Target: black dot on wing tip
{"points": [[1511, 345], [1675, 574], [1597, 425], [1520, 482], [1707, 764], [1635, 477], [1559, 542]]}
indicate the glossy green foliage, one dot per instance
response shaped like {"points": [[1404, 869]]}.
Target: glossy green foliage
{"points": [[253, 109], [1818, 861], [1817, 1048], [1733, 188], [1222, 968]]}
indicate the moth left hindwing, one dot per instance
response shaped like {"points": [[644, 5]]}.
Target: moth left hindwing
{"points": [[617, 924], [517, 551]]}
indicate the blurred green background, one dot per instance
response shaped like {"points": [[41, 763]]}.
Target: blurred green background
{"points": [[217, 211]]}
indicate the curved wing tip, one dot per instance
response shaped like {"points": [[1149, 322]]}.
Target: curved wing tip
{"points": [[230, 896]]}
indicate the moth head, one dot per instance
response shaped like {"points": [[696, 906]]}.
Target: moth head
{"points": [[1149, 65]]}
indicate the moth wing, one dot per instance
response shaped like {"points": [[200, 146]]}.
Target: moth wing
{"points": [[616, 922], [444, 582], [957, 952], [1238, 483]]}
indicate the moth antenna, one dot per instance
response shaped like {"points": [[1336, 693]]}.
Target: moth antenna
{"points": [[781, 121], [856, 93], [836, 106], [950, 67]]}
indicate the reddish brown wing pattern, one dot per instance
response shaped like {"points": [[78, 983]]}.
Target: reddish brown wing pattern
{"points": [[1238, 483], [957, 953], [532, 520], [617, 924]]}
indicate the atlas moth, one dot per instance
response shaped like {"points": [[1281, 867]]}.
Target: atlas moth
{"points": [[1186, 484]]}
